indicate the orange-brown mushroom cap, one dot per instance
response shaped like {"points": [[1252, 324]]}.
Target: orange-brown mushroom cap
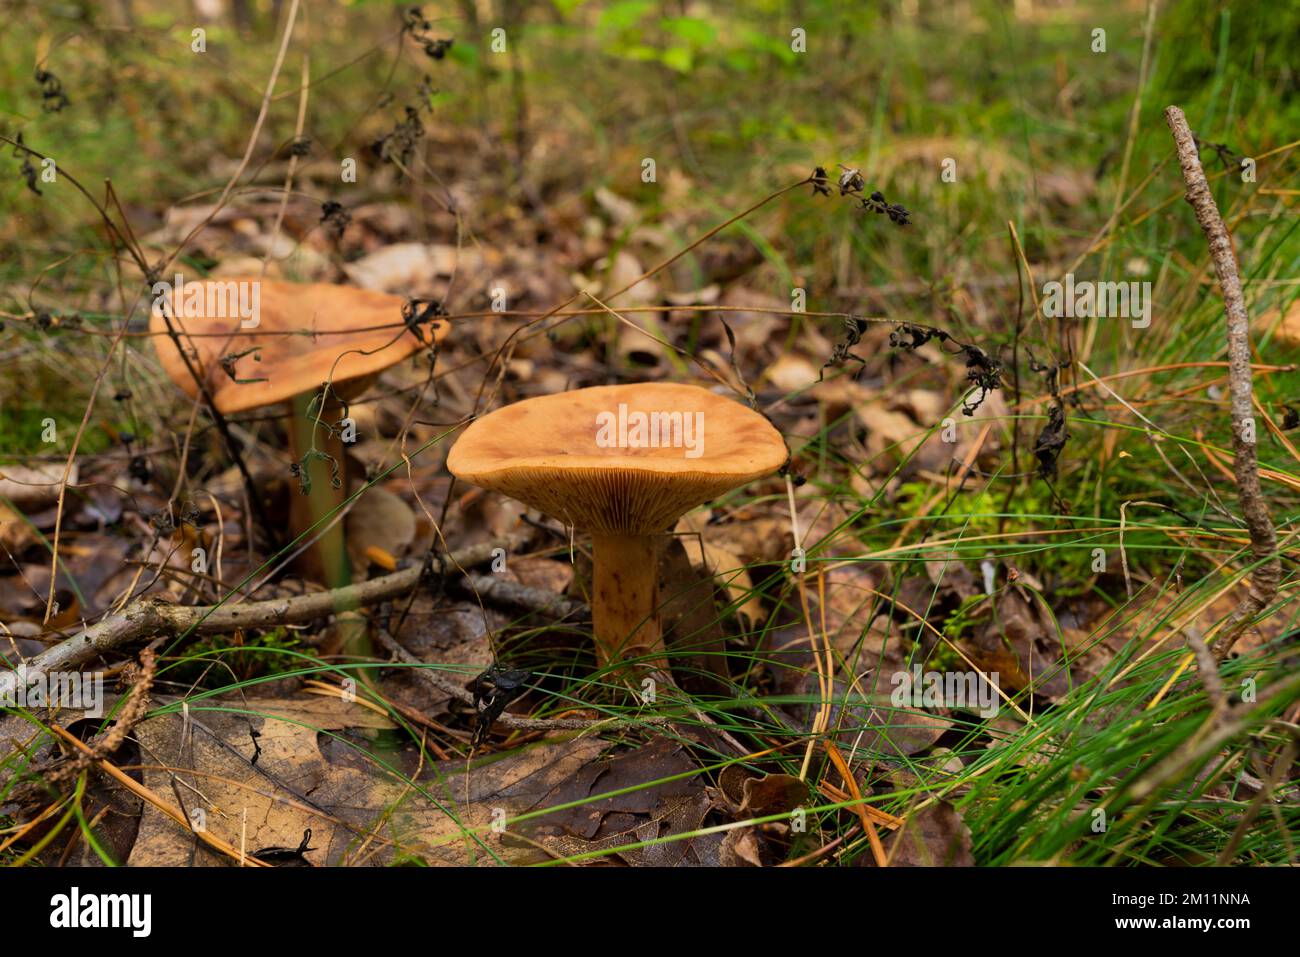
{"points": [[306, 334], [550, 453]]}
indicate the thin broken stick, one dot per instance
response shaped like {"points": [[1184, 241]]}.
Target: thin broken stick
{"points": [[147, 617], [1263, 537]]}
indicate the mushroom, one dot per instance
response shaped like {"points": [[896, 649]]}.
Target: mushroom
{"points": [[622, 462], [310, 346]]}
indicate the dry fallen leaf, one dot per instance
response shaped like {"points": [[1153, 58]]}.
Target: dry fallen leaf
{"points": [[934, 836], [658, 811], [791, 373], [16, 531], [32, 487], [454, 636], [1285, 327], [692, 625], [1021, 645], [756, 540], [730, 572], [311, 772], [411, 268], [378, 519]]}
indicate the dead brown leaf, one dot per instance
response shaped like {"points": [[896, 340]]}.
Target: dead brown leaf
{"points": [[934, 836]]}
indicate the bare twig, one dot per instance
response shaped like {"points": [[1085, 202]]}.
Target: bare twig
{"points": [[1238, 720], [1208, 667], [498, 591], [136, 707], [1281, 767], [1263, 538], [151, 616]]}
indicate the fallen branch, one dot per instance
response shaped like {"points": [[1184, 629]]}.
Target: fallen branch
{"points": [[1263, 537], [495, 590], [146, 617]]}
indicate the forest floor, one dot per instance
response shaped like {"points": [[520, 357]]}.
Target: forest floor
{"points": [[1031, 517]]}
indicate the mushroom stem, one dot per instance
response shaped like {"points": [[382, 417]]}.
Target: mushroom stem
{"points": [[327, 557], [625, 597]]}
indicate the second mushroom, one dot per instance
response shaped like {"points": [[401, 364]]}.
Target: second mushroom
{"points": [[308, 347]]}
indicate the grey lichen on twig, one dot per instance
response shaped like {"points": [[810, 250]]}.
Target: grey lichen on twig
{"points": [[1263, 537]]}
